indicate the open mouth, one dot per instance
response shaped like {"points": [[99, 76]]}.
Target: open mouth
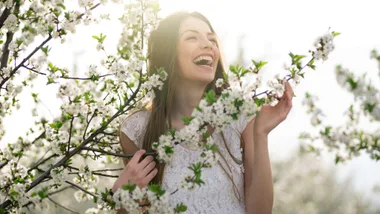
{"points": [[204, 61]]}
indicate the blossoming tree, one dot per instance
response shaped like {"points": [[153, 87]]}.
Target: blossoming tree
{"points": [[349, 139], [49, 158]]}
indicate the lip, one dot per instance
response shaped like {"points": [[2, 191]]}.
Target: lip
{"points": [[207, 68]]}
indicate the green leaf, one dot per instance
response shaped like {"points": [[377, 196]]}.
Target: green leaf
{"points": [[291, 55], [168, 150], [225, 76], [369, 107], [261, 65], [233, 69], [57, 125], [335, 33], [210, 97], [212, 147], [45, 50], [327, 130], [337, 159], [299, 57], [259, 101], [156, 188], [62, 6], [50, 80], [96, 37], [187, 120], [171, 132], [352, 83], [129, 187], [35, 98], [43, 193], [180, 208]]}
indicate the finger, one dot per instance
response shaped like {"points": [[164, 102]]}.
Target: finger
{"points": [[289, 89], [149, 168], [150, 176], [137, 156], [145, 162]]}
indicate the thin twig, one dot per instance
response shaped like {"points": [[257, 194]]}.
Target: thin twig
{"points": [[96, 173], [115, 154], [87, 125], [60, 190], [4, 164], [108, 170], [42, 162], [64, 77], [63, 207], [70, 135], [80, 188]]}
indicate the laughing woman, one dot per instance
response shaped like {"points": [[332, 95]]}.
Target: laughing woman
{"points": [[241, 182]]}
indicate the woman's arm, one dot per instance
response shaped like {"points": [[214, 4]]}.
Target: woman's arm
{"points": [[258, 175]]}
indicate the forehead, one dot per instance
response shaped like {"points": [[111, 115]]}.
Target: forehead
{"points": [[192, 23]]}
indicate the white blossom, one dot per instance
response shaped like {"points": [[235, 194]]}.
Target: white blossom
{"points": [[11, 23], [219, 82]]}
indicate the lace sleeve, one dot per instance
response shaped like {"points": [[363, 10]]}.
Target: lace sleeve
{"points": [[243, 122], [134, 127]]}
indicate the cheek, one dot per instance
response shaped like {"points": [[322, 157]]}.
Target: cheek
{"points": [[183, 57], [216, 53]]}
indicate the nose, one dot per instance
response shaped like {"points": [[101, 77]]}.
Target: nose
{"points": [[206, 43]]}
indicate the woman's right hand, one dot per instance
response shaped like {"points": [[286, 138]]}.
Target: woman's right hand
{"points": [[137, 172]]}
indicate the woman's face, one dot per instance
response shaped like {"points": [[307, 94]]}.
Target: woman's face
{"points": [[197, 51]]}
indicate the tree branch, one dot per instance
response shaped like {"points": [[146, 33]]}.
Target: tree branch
{"points": [[5, 56], [35, 50], [25, 59], [4, 16], [83, 144]]}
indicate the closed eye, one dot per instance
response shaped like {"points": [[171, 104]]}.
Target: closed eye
{"points": [[213, 40]]}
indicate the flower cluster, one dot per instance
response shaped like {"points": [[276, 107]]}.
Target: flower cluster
{"points": [[324, 46], [158, 199], [345, 140], [363, 91]]}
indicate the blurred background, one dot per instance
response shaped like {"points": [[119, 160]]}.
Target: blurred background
{"points": [[268, 30]]}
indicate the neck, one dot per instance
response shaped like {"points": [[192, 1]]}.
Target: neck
{"points": [[187, 96]]}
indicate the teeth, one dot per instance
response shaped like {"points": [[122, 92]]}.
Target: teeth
{"points": [[208, 58]]}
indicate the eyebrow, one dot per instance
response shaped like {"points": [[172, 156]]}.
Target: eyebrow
{"points": [[194, 31]]}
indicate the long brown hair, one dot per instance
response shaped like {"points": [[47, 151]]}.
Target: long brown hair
{"points": [[162, 53]]}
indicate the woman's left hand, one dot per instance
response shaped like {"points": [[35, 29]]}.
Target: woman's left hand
{"points": [[270, 116]]}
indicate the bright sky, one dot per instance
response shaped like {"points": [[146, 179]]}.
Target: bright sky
{"points": [[272, 28]]}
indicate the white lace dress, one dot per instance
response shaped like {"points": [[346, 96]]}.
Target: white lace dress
{"points": [[219, 194]]}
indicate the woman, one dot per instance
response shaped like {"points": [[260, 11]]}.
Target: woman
{"points": [[241, 182]]}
